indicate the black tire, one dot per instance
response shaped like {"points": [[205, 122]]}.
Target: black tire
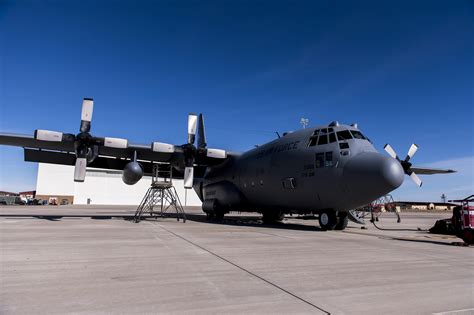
{"points": [[342, 221], [468, 236], [209, 216], [327, 220]]}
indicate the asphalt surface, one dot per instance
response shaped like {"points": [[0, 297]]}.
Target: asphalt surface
{"points": [[92, 260]]}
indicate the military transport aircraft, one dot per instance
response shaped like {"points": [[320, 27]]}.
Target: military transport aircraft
{"points": [[326, 170]]}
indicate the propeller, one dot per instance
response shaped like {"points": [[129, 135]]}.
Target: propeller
{"points": [[190, 150], [86, 146], [406, 165]]}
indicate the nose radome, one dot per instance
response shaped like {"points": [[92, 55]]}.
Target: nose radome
{"points": [[371, 173], [392, 172]]}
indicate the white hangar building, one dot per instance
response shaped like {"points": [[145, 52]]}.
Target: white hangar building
{"points": [[101, 187]]}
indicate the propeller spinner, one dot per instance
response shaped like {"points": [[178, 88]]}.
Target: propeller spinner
{"points": [[406, 165]]}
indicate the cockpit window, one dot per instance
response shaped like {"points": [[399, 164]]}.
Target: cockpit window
{"points": [[314, 138], [344, 135], [323, 139], [327, 135], [358, 135]]}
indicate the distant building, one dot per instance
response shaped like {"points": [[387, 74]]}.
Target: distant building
{"points": [[424, 205], [8, 193], [55, 184], [27, 194]]}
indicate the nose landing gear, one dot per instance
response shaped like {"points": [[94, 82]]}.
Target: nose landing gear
{"points": [[342, 221], [331, 220]]}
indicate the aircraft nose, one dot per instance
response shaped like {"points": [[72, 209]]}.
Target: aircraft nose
{"points": [[371, 172]]}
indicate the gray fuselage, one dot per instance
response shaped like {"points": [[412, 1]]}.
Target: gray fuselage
{"points": [[327, 167]]}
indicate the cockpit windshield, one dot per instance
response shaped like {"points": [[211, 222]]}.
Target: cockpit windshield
{"points": [[358, 135], [322, 136], [344, 135], [328, 135]]}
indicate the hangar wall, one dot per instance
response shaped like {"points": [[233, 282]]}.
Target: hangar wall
{"points": [[102, 187]]}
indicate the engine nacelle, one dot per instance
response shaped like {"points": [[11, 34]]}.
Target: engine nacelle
{"points": [[132, 173]]}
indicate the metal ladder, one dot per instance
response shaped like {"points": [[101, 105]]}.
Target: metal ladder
{"points": [[161, 194]]}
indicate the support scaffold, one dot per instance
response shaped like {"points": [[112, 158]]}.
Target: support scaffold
{"points": [[161, 195]]}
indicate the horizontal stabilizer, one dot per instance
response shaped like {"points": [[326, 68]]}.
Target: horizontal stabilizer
{"points": [[430, 171]]}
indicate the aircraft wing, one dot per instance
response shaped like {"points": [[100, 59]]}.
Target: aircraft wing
{"points": [[107, 157], [30, 142], [430, 171], [86, 150], [144, 152]]}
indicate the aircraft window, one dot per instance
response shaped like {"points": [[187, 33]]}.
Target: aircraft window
{"points": [[332, 137], [328, 161], [344, 135], [330, 129], [319, 160], [323, 139], [312, 141], [324, 131], [344, 145], [314, 138], [358, 135]]}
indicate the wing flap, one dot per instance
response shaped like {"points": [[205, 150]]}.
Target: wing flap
{"points": [[101, 162]]}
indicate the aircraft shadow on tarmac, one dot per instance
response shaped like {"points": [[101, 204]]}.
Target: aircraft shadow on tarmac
{"points": [[59, 217], [253, 221]]}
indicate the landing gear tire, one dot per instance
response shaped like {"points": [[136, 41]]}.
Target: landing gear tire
{"points": [[342, 221], [327, 220], [209, 216], [272, 216]]}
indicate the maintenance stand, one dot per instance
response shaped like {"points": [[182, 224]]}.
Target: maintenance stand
{"points": [[162, 194]]}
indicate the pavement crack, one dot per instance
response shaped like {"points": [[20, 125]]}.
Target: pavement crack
{"points": [[245, 270]]}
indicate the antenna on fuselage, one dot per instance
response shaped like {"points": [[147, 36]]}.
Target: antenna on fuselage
{"points": [[304, 122]]}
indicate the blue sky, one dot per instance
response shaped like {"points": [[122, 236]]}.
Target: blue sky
{"points": [[403, 70]]}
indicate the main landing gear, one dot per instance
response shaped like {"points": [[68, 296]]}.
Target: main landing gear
{"points": [[272, 216], [215, 216], [332, 220]]}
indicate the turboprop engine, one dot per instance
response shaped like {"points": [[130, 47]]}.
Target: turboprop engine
{"points": [[132, 173]]}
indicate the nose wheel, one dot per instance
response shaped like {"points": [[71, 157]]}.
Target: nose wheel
{"points": [[342, 221], [330, 220], [327, 220]]}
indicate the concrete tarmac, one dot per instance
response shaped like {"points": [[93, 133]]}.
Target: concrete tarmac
{"points": [[90, 260]]}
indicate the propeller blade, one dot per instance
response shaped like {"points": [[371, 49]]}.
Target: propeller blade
{"points": [[192, 123], [216, 153], [201, 133], [390, 151], [188, 177], [411, 152], [48, 135], [416, 179], [162, 147], [86, 114], [80, 169], [115, 143]]}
